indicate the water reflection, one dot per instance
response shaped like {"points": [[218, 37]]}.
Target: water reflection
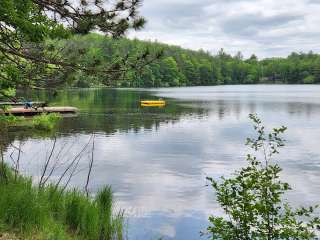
{"points": [[157, 159]]}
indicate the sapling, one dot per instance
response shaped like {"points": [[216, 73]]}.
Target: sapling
{"points": [[253, 198]]}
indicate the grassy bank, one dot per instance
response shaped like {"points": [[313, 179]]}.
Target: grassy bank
{"points": [[31, 212]]}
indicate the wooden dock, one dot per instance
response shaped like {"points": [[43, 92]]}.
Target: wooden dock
{"points": [[20, 111]]}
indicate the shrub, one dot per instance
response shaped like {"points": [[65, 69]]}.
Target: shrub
{"points": [[309, 79], [10, 119], [46, 121], [253, 198]]}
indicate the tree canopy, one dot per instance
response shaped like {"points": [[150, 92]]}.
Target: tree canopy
{"points": [[182, 67], [26, 25]]}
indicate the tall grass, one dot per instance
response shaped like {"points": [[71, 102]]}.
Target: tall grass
{"points": [[52, 214]]}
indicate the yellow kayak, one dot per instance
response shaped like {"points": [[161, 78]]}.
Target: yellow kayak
{"points": [[153, 103]]}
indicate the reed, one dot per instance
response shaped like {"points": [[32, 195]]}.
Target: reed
{"points": [[51, 213]]}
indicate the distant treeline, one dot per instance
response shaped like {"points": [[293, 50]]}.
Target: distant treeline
{"points": [[181, 67]]}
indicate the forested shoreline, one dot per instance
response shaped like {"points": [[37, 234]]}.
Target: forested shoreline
{"points": [[182, 67]]}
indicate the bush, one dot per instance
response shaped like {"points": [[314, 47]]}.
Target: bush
{"points": [[41, 122], [253, 198], [10, 119], [46, 121], [309, 79]]}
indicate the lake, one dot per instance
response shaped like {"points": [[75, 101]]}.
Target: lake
{"points": [[157, 159]]}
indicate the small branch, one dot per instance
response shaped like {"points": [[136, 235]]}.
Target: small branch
{"points": [[17, 165], [41, 184], [72, 163], [90, 166]]}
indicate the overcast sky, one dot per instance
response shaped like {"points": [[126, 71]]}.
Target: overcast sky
{"points": [[264, 27]]}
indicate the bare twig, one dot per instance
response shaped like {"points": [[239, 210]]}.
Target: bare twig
{"points": [[54, 166], [17, 165], [46, 165], [74, 162], [90, 167]]}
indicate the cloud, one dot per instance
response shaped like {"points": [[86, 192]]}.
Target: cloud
{"points": [[264, 27], [248, 25]]}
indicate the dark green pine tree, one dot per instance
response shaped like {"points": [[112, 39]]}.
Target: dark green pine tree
{"points": [[25, 26]]}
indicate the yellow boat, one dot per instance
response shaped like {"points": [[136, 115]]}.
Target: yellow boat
{"points": [[153, 103]]}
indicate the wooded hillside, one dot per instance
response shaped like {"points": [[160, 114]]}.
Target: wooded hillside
{"points": [[181, 67]]}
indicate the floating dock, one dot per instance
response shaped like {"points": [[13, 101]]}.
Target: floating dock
{"points": [[153, 103], [20, 111]]}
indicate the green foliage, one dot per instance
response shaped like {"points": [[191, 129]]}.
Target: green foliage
{"points": [[46, 121], [26, 26], [309, 79], [10, 119], [181, 67], [107, 226], [22, 25], [9, 92], [253, 198], [39, 124], [53, 214]]}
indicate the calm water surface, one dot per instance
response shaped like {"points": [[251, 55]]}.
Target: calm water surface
{"points": [[157, 159]]}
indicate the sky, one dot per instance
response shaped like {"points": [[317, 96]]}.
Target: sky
{"points": [[267, 28]]}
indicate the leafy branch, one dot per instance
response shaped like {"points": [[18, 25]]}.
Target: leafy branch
{"points": [[253, 198]]}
